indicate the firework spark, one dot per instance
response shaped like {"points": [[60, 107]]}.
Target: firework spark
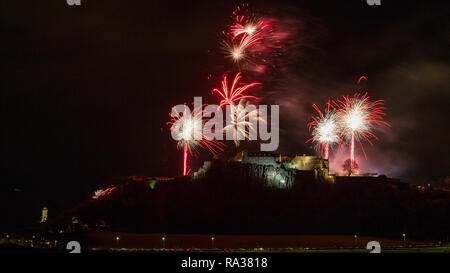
{"points": [[243, 120], [234, 51], [362, 78], [187, 127], [238, 51], [248, 29], [233, 94], [324, 129], [243, 20], [358, 117]]}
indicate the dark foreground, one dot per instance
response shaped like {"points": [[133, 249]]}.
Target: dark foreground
{"points": [[113, 242]]}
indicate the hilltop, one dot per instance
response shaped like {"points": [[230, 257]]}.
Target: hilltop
{"points": [[227, 201]]}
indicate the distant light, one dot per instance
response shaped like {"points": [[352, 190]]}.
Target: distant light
{"points": [[163, 238], [117, 238], [212, 238]]}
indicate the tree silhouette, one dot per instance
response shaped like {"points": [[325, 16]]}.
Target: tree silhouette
{"points": [[347, 167]]}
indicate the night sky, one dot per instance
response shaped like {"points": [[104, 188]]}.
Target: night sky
{"points": [[86, 91]]}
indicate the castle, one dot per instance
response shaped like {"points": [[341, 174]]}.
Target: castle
{"points": [[276, 170]]}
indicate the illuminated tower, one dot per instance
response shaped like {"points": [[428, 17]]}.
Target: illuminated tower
{"points": [[44, 214]]}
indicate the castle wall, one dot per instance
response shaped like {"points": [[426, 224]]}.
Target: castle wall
{"points": [[265, 168], [308, 162], [260, 158], [271, 175], [319, 166]]}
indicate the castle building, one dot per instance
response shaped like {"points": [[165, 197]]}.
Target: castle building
{"points": [[276, 170], [260, 158], [319, 165]]}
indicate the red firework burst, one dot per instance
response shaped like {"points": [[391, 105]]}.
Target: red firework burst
{"points": [[325, 131], [187, 128], [234, 94], [358, 117]]}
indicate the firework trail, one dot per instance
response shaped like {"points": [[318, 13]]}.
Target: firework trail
{"points": [[246, 28], [324, 129], [358, 116], [233, 94], [244, 21], [362, 78], [187, 127], [243, 120]]}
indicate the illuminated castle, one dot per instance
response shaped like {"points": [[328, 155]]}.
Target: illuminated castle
{"points": [[276, 170]]}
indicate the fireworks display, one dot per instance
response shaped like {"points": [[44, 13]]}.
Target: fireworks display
{"points": [[347, 119], [238, 51], [358, 117], [252, 41], [324, 129], [245, 23], [187, 128], [242, 36], [242, 121], [231, 95], [244, 29], [248, 39]]}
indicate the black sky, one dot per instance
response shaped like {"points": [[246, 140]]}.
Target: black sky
{"points": [[86, 91]]}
